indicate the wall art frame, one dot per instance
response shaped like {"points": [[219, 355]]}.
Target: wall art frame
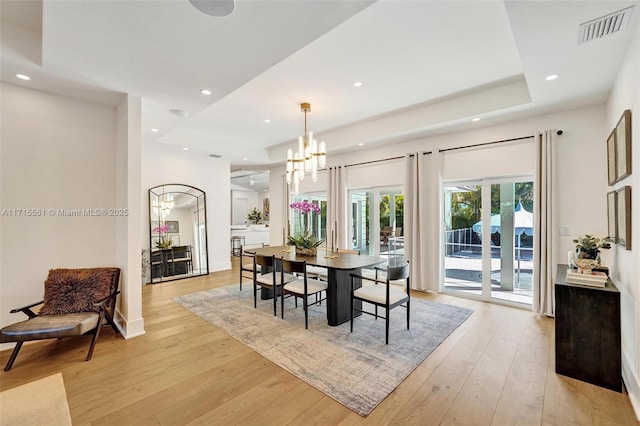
{"points": [[623, 146], [623, 217]]}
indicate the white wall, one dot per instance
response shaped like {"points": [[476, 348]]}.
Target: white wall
{"points": [[252, 201], [57, 153], [626, 263], [167, 164]]}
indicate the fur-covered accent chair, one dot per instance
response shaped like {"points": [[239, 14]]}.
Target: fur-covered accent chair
{"points": [[76, 302]]}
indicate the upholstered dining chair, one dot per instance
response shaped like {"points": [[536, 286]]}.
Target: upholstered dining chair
{"points": [[387, 296], [301, 288], [268, 278], [76, 302]]}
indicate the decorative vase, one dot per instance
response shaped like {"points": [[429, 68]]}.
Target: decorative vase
{"points": [[302, 251]]}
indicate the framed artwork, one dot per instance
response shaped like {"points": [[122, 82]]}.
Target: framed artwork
{"points": [[265, 209], [623, 217], [623, 146], [611, 157], [611, 216]]}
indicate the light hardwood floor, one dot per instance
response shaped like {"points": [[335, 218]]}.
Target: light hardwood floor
{"points": [[495, 369]]}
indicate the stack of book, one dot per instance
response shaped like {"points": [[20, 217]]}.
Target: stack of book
{"points": [[594, 279]]}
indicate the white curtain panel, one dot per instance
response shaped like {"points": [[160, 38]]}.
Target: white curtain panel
{"points": [[416, 222], [286, 200], [545, 241], [337, 212]]}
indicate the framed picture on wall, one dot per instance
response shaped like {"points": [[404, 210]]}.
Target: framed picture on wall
{"points": [[623, 217], [611, 216], [623, 146], [265, 209], [611, 158]]}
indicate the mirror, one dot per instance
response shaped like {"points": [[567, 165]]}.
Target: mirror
{"points": [[177, 232]]}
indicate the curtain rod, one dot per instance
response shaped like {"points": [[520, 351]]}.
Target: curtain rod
{"points": [[558, 132], [486, 143], [383, 159]]}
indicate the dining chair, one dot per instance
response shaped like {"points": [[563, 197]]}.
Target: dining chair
{"points": [[301, 287], [246, 264], [387, 296], [268, 278]]}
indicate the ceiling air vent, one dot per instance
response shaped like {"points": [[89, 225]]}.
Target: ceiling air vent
{"points": [[215, 156], [604, 25]]}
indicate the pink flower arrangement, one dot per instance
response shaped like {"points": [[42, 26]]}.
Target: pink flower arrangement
{"points": [[305, 207], [161, 229]]}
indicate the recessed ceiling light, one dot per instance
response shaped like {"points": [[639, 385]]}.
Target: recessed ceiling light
{"points": [[475, 119], [185, 149], [361, 144], [23, 77], [179, 112], [267, 120], [358, 84], [244, 159], [154, 130], [551, 77], [205, 91]]}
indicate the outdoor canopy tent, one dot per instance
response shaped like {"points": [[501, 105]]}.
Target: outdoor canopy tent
{"points": [[522, 222]]}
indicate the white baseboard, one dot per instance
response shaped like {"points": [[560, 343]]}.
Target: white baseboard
{"points": [[632, 385], [131, 328]]}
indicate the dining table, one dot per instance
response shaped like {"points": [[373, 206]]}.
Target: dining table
{"points": [[340, 266]]}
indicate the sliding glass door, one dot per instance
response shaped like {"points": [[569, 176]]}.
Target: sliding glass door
{"points": [[488, 239], [377, 217]]}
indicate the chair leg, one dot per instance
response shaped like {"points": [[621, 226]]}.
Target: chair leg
{"points": [[408, 310], [95, 336], [386, 326], [351, 310], [306, 312], [240, 277], [111, 322], [275, 299], [13, 356], [282, 304], [255, 295]]}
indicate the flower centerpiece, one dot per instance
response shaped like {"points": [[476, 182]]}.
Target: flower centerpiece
{"points": [[306, 243], [255, 216], [164, 241]]}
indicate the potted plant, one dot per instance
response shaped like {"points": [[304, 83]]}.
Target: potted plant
{"points": [[306, 243], [255, 216], [588, 246]]}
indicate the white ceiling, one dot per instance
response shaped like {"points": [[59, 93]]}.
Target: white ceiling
{"points": [[425, 66]]}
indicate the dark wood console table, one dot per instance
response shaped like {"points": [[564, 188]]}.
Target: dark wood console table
{"points": [[588, 332]]}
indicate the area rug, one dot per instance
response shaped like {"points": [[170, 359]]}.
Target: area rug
{"points": [[356, 369], [39, 402]]}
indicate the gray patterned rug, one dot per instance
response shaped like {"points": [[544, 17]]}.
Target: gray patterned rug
{"points": [[358, 370]]}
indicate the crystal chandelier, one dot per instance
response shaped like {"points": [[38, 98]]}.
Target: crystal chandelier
{"points": [[310, 156]]}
